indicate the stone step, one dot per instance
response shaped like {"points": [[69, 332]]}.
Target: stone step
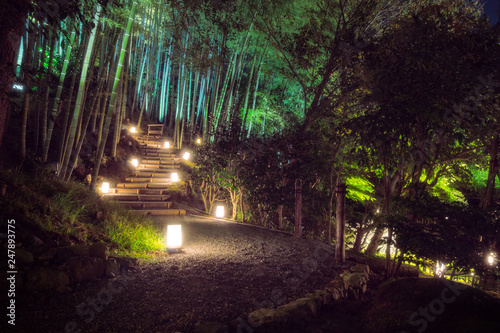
{"points": [[155, 180], [159, 212], [155, 144], [151, 174], [147, 204], [162, 150], [163, 185], [139, 191], [157, 154], [143, 167], [137, 197], [166, 160]]}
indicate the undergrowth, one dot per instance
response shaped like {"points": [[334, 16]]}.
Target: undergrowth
{"points": [[69, 212]]}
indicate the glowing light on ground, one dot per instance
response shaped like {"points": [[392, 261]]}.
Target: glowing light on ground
{"points": [[491, 259], [219, 211], [186, 155], [166, 144], [174, 236], [135, 162], [174, 177], [105, 187], [440, 269], [198, 141], [133, 130]]}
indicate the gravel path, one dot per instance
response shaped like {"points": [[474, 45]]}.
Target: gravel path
{"points": [[226, 271]]}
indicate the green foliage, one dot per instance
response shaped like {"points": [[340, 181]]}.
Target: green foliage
{"points": [[67, 210], [448, 232], [132, 232], [359, 189]]}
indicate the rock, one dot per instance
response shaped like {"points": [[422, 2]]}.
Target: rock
{"points": [[338, 283], [300, 308], [353, 294], [99, 250], [325, 296], [337, 293], [61, 255], [354, 280], [24, 257], [47, 279], [86, 268], [211, 327], [360, 268], [80, 250], [112, 268], [266, 316]]}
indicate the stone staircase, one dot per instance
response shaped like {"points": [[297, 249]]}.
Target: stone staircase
{"points": [[146, 190]]}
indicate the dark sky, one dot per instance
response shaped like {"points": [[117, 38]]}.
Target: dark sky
{"points": [[491, 8]]}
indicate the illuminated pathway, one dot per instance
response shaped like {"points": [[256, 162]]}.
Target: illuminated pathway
{"points": [[227, 271], [145, 191]]}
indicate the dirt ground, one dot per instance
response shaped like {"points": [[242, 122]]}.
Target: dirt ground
{"points": [[226, 270]]}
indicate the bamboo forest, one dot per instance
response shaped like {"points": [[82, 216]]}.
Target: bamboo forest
{"points": [[368, 126]]}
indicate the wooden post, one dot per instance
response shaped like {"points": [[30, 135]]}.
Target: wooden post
{"points": [[340, 243], [298, 208]]}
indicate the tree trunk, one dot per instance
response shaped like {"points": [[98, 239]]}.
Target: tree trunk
{"points": [[340, 235], [79, 99], [375, 242], [298, 208], [112, 102], [57, 99]]}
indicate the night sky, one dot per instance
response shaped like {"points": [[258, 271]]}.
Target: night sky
{"points": [[491, 8]]}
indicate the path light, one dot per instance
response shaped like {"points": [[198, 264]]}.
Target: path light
{"points": [[166, 144], [174, 177], [491, 259], [174, 236], [133, 130], [440, 269], [219, 211], [186, 155], [17, 86], [198, 141], [105, 187], [135, 162]]}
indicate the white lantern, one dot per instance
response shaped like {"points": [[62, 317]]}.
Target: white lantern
{"points": [[186, 155], [174, 236], [135, 162], [105, 187], [491, 259], [133, 130], [166, 144], [219, 211], [174, 177]]}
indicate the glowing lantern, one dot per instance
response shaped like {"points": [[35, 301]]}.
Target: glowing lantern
{"points": [[167, 144], [105, 187], [440, 269], [186, 155], [491, 258], [174, 236], [133, 130], [198, 141], [219, 211], [174, 177], [135, 162]]}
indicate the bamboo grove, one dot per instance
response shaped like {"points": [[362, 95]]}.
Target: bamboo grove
{"points": [[398, 99], [130, 62]]}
